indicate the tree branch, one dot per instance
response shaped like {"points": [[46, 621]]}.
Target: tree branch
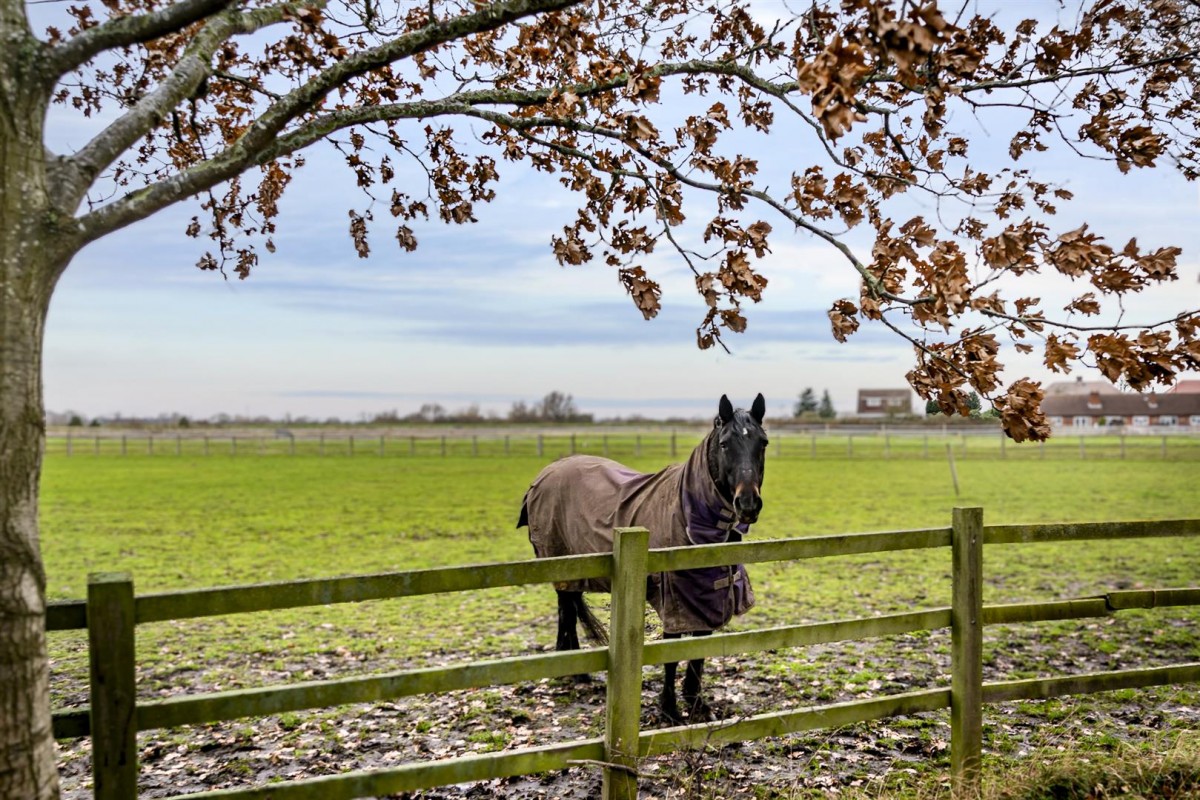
{"points": [[80, 170], [1067, 74], [260, 143], [128, 30]]}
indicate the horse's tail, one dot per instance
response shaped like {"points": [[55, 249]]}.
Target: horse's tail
{"points": [[591, 626], [523, 520]]}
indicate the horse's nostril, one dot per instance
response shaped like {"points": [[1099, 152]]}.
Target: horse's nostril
{"points": [[747, 506]]}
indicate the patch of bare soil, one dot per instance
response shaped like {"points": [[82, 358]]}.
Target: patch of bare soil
{"points": [[330, 741]]}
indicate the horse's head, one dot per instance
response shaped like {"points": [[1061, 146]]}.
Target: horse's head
{"points": [[738, 455]]}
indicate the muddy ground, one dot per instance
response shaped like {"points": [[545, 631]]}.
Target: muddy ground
{"points": [[329, 741]]}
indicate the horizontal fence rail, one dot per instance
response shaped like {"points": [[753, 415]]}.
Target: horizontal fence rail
{"points": [[822, 443], [112, 612]]}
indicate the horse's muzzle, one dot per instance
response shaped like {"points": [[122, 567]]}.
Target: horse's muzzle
{"points": [[747, 504]]}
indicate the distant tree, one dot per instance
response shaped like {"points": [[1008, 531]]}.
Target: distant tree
{"points": [[95, 423], [825, 410], [184, 422], [558, 407], [76, 421], [932, 407], [470, 414], [806, 404], [432, 412], [974, 405], [520, 412]]}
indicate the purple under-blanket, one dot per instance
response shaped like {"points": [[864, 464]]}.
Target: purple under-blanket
{"points": [[575, 503]]}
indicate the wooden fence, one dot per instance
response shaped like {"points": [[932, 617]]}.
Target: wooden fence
{"points": [[834, 443], [112, 612]]}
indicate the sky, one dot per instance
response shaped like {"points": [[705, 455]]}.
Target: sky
{"points": [[483, 315]]}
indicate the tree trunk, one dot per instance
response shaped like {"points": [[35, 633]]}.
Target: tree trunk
{"points": [[30, 260], [27, 759]]}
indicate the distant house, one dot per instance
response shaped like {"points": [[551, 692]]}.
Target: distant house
{"points": [[1185, 387], [1080, 386], [1174, 409], [884, 402]]}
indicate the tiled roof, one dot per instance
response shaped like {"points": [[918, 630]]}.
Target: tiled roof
{"points": [[1185, 387], [1080, 387], [885, 392], [1123, 404]]}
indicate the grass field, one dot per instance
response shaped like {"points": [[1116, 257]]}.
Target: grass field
{"points": [[192, 521]]}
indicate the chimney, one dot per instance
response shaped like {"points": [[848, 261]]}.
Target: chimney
{"points": [[1094, 399], [1152, 400]]}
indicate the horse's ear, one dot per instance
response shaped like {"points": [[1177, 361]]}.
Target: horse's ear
{"points": [[725, 409], [759, 409]]}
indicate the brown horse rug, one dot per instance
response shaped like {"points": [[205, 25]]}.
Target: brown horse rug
{"points": [[574, 504]]}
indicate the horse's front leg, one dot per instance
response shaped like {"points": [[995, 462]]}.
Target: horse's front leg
{"points": [[667, 705], [698, 710]]}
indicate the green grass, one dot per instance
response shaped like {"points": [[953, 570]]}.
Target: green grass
{"points": [[188, 522], [193, 521]]}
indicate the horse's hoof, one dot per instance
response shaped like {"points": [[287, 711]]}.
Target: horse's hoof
{"points": [[699, 711], [670, 716]]}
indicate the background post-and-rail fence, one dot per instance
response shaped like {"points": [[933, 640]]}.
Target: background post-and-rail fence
{"points": [[112, 612], [862, 442]]}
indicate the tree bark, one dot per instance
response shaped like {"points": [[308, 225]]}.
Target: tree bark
{"points": [[27, 761], [30, 260]]}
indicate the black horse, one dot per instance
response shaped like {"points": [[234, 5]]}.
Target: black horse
{"points": [[575, 503]]}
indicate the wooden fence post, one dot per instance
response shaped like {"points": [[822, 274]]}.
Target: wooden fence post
{"points": [[110, 618], [966, 653], [953, 470], [627, 630]]}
